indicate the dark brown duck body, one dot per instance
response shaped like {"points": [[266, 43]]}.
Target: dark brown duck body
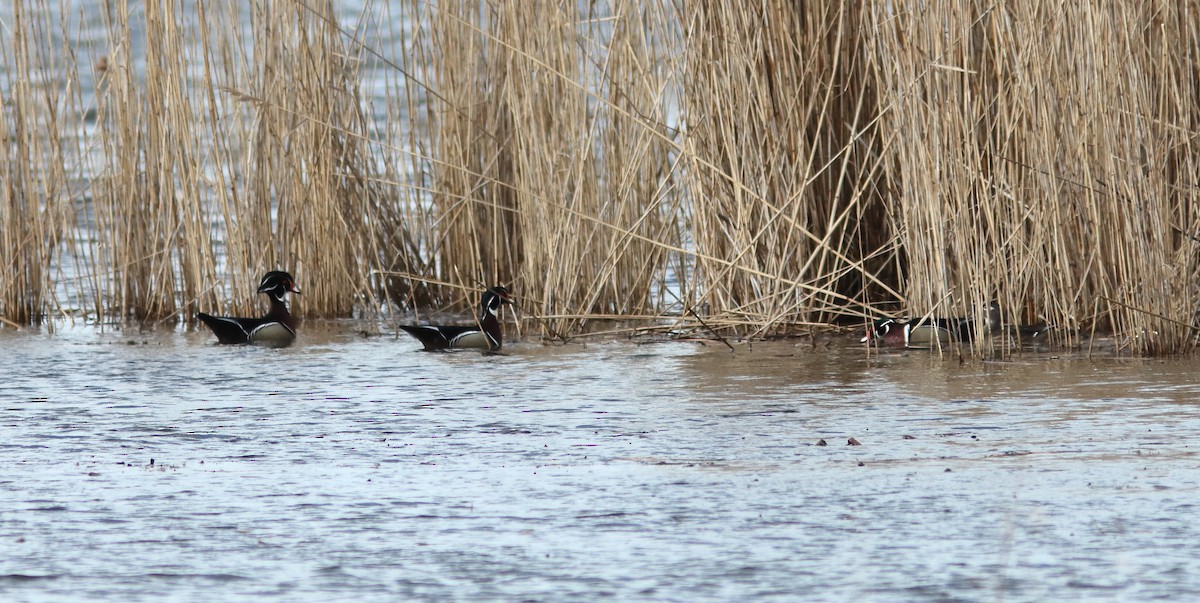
{"points": [[277, 328], [487, 335]]}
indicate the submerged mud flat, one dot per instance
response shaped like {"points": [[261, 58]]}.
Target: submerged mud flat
{"points": [[138, 467]]}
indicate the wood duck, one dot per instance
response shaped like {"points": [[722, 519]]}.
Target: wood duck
{"points": [[485, 335], [929, 332], [277, 328]]}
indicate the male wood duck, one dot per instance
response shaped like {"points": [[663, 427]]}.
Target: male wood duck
{"points": [[485, 336], [277, 328], [929, 332]]}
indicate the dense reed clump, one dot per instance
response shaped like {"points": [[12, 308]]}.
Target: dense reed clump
{"points": [[320, 182], [784, 170], [154, 241], [751, 169], [541, 180], [34, 185], [1046, 158], [220, 168]]}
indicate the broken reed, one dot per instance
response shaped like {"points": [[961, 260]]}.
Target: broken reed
{"points": [[778, 167]]}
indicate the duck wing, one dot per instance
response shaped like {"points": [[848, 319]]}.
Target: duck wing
{"points": [[230, 330], [442, 337]]}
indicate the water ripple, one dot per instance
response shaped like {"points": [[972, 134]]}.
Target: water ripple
{"points": [[349, 467]]}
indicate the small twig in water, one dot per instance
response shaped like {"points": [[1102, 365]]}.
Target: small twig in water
{"points": [[711, 330]]}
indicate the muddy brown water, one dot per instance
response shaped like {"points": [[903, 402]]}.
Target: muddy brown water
{"points": [[354, 468]]}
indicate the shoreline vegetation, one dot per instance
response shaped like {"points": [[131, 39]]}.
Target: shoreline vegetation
{"points": [[753, 171]]}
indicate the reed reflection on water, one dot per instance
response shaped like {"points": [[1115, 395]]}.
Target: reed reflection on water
{"points": [[157, 465]]}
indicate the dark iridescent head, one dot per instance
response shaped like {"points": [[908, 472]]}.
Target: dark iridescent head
{"points": [[885, 331], [993, 317], [494, 297], [877, 329], [278, 284]]}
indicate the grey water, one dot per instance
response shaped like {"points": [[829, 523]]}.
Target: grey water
{"points": [[159, 466]]}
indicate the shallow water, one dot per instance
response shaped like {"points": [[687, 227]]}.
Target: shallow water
{"points": [[160, 466]]}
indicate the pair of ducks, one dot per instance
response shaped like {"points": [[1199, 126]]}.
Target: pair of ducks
{"points": [[278, 327]]}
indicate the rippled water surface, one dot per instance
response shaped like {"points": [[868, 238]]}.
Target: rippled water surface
{"points": [[155, 466]]}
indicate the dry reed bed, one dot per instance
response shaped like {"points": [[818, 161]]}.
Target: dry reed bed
{"points": [[33, 215], [1045, 157], [780, 168]]}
